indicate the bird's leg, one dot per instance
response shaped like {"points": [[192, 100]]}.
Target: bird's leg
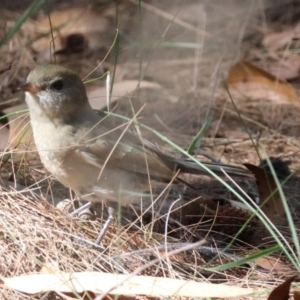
{"points": [[80, 209], [111, 216]]}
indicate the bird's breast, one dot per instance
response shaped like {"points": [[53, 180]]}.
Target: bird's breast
{"points": [[53, 143]]}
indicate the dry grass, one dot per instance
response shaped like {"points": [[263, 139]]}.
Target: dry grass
{"points": [[35, 236]]}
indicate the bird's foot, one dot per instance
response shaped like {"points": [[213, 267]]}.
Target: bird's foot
{"points": [[112, 213]]}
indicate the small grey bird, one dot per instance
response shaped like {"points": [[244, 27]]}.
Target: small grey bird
{"points": [[87, 153]]}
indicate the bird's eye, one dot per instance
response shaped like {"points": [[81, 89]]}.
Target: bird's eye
{"points": [[57, 85]]}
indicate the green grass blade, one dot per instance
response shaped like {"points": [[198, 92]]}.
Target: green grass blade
{"points": [[198, 136], [244, 260]]}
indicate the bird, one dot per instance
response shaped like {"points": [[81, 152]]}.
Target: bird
{"points": [[85, 150]]}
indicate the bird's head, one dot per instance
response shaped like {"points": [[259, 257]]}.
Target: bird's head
{"points": [[55, 91]]}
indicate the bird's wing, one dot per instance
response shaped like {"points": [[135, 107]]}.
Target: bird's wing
{"points": [[134, 154], [128, 154]]}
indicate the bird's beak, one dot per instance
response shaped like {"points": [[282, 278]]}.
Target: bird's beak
{"points": [[29, 87]]}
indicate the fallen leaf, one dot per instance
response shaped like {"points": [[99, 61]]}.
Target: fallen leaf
{"points": [[94, 26], [282, 292], [266, 185], [277, 40], [97, 95], [286, 68], [254, 82], [273, 264], [117, 284], [296, 295]]}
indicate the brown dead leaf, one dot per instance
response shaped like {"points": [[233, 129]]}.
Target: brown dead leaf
{"points": [[266, 184], [296, 295], [277, 40], [282, 291], [287, 68], [254, 82], [273, 264], [94, 26]]}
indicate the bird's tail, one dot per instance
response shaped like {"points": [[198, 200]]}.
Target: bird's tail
{"points": [[188, 166], [192, 167]]}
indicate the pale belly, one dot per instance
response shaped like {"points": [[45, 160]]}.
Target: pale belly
{"points": [[85, 179], [75, 172]]}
